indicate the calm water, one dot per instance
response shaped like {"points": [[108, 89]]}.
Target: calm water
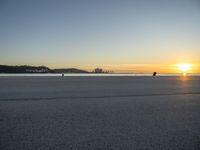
{"points": [[92, 74]]}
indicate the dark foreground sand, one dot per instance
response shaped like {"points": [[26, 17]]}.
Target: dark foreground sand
{"points": [[104, 113]]}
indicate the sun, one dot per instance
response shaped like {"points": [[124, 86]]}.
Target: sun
{"points": [[184, 67]]}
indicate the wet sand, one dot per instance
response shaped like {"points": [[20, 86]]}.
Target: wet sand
{"points": [[111, 113]]}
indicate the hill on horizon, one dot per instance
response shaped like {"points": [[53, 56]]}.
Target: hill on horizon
{"points": [[37, 69]]}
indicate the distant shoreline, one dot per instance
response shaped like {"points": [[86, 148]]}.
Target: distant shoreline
{"points": [[93, 74], [44, 69]]}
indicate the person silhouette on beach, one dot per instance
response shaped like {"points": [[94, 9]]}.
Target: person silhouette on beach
{"points": [[154, 73]]}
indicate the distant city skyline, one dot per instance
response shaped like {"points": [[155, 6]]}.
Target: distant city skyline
{"points": [[122, 36]]}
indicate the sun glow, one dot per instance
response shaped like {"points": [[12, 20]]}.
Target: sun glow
{"points": [[184, 67]]}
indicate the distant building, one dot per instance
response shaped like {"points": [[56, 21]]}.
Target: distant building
{"points": [[41, 70], [98, 70]]}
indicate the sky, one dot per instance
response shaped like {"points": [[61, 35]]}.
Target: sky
{"points": [[120, 35]]}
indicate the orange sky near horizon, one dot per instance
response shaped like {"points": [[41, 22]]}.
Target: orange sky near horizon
{"points": [[135, 68]]}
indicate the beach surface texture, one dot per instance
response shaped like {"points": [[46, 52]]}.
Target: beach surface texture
{"points": [[100, 113]]}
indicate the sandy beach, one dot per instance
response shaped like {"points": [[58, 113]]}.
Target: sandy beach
{"points": [[104, 113]]}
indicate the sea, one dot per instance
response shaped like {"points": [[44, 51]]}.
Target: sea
{"points": [[96, 74]]}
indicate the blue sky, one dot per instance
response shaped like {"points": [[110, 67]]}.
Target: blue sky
{"points": [[92, 33]]}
